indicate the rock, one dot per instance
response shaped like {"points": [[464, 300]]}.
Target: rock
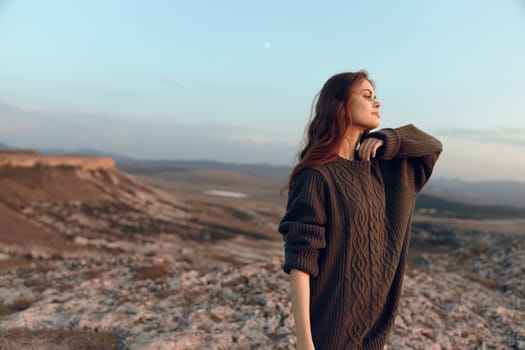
{"points": [[4, 256], [423, 262]]}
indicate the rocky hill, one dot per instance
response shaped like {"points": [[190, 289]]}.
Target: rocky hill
{"points": [[92, 258], [68, 206]]}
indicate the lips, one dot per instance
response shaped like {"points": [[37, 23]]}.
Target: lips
{"points": [[376, 114]]}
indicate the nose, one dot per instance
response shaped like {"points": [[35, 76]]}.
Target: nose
{"points": [[377, 104]]}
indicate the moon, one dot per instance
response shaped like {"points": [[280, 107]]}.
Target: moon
{"points": [[267, 45]]}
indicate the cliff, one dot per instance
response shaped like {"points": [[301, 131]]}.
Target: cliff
{"points": [[28, 159]]}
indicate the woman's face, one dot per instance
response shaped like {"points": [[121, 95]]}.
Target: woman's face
{"points": [[363, 106]]}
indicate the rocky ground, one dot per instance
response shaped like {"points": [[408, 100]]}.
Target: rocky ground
{"points": [[151, 303]]}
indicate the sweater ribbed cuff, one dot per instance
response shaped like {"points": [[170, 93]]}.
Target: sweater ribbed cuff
{"points": [[304, 260], [417, 143], [391, 142], [374, 343]]}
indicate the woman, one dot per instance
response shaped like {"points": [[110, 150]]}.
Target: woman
{"points": [[347, 224]]}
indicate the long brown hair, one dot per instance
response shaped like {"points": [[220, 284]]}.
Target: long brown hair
{"points": [[329, 122]]}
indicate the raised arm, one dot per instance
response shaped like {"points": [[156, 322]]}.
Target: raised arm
{"points": [[420, 149], [407, 141]]}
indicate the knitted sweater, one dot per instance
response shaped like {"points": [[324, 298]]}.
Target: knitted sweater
{"points": [[347, 224]]}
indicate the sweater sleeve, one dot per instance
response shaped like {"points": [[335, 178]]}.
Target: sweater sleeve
{"points": [[419, 148], [303, 225]]}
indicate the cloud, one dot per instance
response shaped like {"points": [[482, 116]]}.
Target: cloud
{"points": [[500, 135], [141, 138], [10, 111]]}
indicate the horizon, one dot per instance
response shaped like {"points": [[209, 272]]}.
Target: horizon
{"points": [[114, 156], [235, 82]]}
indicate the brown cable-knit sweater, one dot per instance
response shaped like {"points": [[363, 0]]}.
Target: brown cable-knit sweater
{"points": [[347, 224]]}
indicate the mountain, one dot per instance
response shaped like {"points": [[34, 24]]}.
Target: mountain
{"points": [[436, 206], [159, 166], [4, 146], [138, 166], [506, 193], [87, 151]]}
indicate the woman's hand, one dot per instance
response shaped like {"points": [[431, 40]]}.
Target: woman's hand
{"points": [[368, 148]]}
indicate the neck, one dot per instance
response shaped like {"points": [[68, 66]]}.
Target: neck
{"points": [[347, 149]]}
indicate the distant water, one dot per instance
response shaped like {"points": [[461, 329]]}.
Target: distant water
{"points": [[226, 194]]}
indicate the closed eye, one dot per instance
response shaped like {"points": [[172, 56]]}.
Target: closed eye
{"points": [[369, 94]]}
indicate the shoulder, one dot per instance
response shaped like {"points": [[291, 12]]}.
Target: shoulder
{"points": [[309, 175], [321, 173], [312, 179]]}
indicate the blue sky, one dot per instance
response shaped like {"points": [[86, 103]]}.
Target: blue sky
{"points": [[234, 80]]}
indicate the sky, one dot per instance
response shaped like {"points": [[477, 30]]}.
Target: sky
{"points": [[234, 80]]}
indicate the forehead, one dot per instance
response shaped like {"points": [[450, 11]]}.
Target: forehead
{"points": [[364, 85]]}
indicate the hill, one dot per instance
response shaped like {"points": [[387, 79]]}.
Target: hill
{"points": [[160, 166], [435, 206], [495, 193], [73, 205]]}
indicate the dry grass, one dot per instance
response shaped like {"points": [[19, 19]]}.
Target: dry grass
{"points": [[158, 270], [24, 339]]}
